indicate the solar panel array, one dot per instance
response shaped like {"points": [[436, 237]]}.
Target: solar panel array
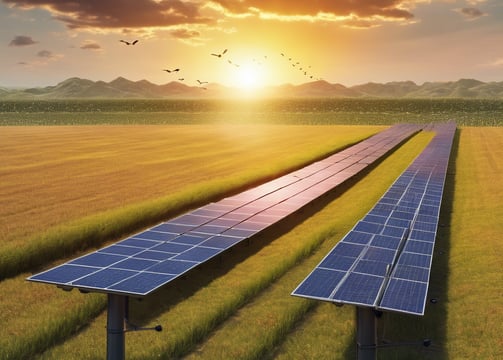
{"points": [[384, 262], [145, 261]]}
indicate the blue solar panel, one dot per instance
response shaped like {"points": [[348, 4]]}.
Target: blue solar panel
{"points": [[172, 267], [357, 237], [321, 284], [104, 278], [141, 263], [337, 262], [390, 270], [371, 267], [359, 289], [405, 296], [140, 284], [198, 254], [64, 274], [385, 241]]}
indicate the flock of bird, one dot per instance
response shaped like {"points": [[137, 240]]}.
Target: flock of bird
{"points": [[295, 64]]}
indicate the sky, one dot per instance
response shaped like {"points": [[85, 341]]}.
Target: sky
{"points": [[250, 44]]}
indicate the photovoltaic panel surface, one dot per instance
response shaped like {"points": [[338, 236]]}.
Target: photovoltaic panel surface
{"points": [[384, 262], [145, 261]]}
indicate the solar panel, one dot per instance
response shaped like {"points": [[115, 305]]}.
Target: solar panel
{"points": [[384, 262], [145, 261]]}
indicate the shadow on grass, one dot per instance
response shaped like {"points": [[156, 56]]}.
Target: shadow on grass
{"points": [[186, 286], [408, 332]]}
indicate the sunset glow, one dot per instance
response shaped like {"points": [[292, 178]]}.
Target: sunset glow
{"points": [[268, 43], [249, 77]]}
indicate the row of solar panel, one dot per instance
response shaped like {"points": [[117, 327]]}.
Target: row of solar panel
{"points": [[385, 260], [143, 262]]}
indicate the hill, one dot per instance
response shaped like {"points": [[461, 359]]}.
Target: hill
{"points": [[122, 88]]}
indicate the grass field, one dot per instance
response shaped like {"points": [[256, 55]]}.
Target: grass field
{"points": [[239, 306], [67, 188], [290, 111]]}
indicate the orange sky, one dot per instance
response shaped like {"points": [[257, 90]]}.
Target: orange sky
{"points": [[268, 42]]}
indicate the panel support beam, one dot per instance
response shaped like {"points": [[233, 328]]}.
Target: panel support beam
{"points": [[116, 317], [366, 333]]}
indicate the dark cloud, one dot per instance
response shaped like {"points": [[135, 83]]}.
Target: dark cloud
{"points": [[471, 13], [22, 40], [113, 14], [45, 54], [134, 14], [185, 34], [90, 45], [391, 9]]}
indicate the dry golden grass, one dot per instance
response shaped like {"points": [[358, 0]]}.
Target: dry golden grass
{"points": [[53, 175], [475, 247], [466, 273]]}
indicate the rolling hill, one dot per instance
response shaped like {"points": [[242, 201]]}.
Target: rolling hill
{"points": [[122, 88]]}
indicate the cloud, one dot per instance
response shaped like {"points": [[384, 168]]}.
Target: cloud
{"points": [[45, 54], [139, 14], [471, 13], [496, 63], [119, 14], [322, 9], [90, 45], [22, 40], [185, 34]]}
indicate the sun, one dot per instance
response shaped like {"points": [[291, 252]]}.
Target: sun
{"points": [[249, 77]]}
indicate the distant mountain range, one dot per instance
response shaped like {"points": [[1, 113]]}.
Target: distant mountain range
{"points": [[122, 88]]}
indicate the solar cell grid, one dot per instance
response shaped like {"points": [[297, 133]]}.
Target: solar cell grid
{"points": [[360, 289], [371, 267], [404, 244], [358, 237], [160, 254]]}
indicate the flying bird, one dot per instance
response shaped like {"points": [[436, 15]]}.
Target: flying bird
{"points": [[202, 82], [230, 62], [220, 55], [129, 43], [181, 79], [170, 71]]}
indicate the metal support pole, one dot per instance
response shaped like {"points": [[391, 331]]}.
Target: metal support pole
{"points": [[116, 344], [366, 340]]}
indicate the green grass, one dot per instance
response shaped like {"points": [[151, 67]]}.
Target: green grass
{"points": [[322, 111]]}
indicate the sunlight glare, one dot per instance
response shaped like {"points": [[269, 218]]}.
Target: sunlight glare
{"points": [[249, 77]]}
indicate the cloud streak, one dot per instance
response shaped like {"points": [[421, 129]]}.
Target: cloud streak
{"points": [[118, 14], [22, 40], [45, 54], [90, 45], [471, 13], [322, 9], [137, 14]]}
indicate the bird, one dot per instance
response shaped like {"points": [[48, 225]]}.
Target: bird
{"points": [[129, 43], [219, 55], [202, 82], [170, 71], [181, 79]]}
